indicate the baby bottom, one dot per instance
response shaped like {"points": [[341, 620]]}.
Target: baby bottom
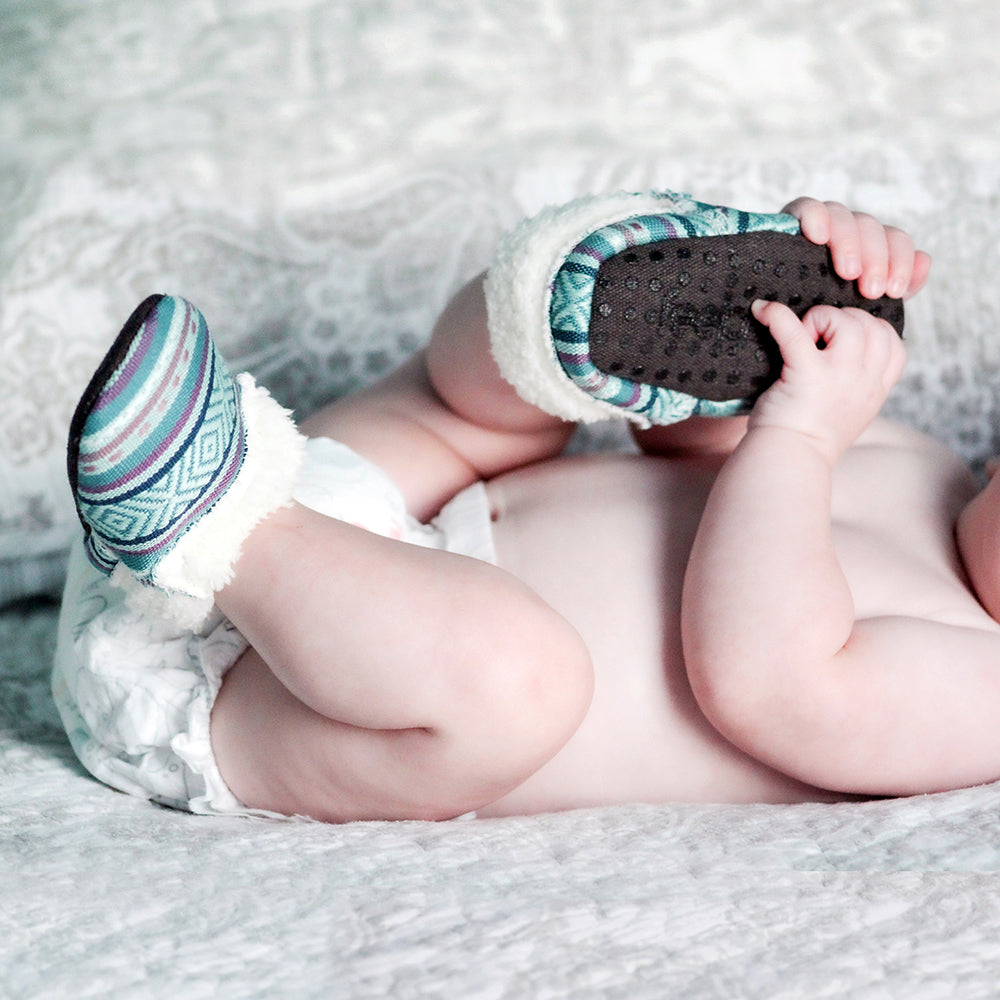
{"points": [[136, 694]]}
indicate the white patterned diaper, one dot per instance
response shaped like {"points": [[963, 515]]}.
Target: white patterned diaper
{"points": [[136, 694]]}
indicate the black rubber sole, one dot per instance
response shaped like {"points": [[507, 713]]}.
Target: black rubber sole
{"points": [[676, 313]]}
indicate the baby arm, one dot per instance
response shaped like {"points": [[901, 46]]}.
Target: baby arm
{"points": [[764, 547], [764, 584], [766, 605], [890, 705]]}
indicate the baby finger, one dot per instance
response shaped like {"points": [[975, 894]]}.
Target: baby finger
{"points": [[902, 258], [874, 248]]}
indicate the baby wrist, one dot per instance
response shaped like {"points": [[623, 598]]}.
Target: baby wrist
{"points": [[786, 439]]}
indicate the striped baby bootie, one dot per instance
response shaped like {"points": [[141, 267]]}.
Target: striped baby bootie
{"points": [[638, 305], [172, 461]]}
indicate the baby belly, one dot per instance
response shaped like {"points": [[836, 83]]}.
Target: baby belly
{"points": [[605, 541]]}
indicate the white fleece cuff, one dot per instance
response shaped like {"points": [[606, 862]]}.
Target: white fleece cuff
{"points": [[519, 290]]}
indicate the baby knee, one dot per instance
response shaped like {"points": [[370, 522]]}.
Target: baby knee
{"points": [[533, 694], [543, 679], [523, 708]]}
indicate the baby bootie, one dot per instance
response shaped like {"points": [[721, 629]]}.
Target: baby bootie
{"points": [[638, 305], [172, 461]]}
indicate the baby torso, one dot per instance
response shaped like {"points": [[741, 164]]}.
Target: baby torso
{"points": [[605, 540]]}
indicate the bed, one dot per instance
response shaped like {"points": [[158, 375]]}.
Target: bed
{"points": [[319, 176]]}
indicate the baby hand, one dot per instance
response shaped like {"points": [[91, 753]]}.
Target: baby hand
{"points": [[839, 367], [882, 259]]}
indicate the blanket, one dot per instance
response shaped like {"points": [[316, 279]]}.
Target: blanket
{"points": [[320, 176]]}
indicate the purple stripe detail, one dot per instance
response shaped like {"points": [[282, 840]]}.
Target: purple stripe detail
{"points": [[573, 358], [142, 345], [634, 395], [91, 456], [179, 428]]}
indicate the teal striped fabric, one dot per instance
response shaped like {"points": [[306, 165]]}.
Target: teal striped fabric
{"points": [[157, 438]]}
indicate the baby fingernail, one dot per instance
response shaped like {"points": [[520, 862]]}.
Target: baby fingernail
{"points": [[872, 288]]}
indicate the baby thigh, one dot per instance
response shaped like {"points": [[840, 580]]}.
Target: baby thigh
{"points": [[442, 735]]}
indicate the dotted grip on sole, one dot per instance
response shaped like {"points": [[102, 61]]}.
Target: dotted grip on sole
{"points": [[676, 313]]}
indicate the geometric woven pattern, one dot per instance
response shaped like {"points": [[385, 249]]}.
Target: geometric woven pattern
{"points": [[156, 439], [573, 294]]}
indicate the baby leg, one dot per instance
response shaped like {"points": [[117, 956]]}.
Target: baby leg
{"points": [[447, 418], [388, 680], [385, 679]]}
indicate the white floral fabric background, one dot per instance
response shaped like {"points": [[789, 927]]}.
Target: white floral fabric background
{"points": [[319, 176]]}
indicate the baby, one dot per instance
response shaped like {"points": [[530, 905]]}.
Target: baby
{"points": [[421, 608]]}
